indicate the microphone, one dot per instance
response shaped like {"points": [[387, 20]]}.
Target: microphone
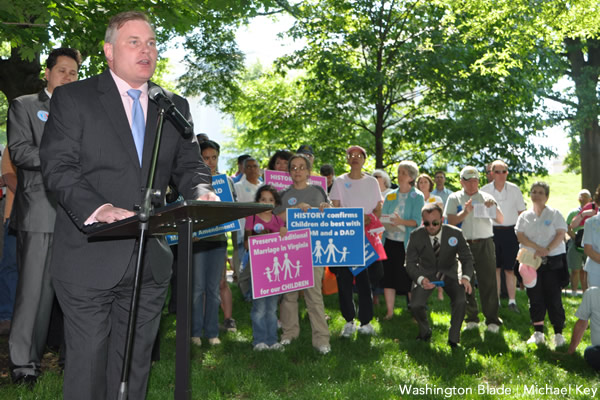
{"points": [[157, 95]]}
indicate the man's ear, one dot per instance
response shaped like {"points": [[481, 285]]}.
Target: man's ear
{"points": [[108, 51]]}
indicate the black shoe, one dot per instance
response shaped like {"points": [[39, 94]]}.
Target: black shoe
{"points": [[452, 344], [26, 380], [514, 308], [425, 338]]}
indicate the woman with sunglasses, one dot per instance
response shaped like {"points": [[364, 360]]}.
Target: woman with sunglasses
{"points": [[542, 231], [400, 215]]}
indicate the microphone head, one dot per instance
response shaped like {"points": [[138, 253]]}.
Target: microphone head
{"points": [[154, 92]]}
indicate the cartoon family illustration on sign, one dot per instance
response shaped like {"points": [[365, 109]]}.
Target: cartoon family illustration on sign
{"points": [[330, 251], [273, 273]]}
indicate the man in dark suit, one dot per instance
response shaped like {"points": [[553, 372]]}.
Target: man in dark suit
{"points": [[33, 218], [96, 166], [431, 256]]}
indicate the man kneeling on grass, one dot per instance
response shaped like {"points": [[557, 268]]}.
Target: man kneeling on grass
{"points": [[430, 262], [588, 310]]}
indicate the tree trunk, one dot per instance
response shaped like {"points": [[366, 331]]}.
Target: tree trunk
{"points": [[19, 77], [590, 156], [379, 136], [585, 72]]}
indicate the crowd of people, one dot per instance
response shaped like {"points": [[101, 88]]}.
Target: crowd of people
{"points": [[474, 240], [78, 153]]}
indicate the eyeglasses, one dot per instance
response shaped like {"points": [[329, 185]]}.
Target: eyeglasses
{"points": [[541, 192], [355, 155], [502, 171], [300, 168], [434, 223]]}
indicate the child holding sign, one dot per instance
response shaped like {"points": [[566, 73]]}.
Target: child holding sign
{"points": [[264, 310]]}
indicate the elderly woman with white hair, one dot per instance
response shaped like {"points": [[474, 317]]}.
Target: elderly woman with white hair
{"points": [[400, 215], [385, 183]]}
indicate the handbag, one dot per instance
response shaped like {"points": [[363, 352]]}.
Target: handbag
{"points": [[579, 238]]}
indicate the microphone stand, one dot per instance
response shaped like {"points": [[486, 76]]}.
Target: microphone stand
{"points": [[143, 216]]}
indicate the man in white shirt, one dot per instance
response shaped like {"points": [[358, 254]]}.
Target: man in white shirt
{"points": [[510, 199], [475, 211], [588, 310]]}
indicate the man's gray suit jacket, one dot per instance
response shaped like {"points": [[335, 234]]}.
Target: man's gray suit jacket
{"points": [[421, 261]]}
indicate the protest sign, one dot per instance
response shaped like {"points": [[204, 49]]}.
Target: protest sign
{"points": [[222, 190], [281, 180], [337, 234], [280, 264]]}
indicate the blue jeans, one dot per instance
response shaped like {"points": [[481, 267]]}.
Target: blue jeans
{"points": [[264, 320], [8, 273], [206, 276]]}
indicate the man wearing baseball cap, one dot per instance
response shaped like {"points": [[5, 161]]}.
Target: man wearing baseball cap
{"points": [[475, 212]]}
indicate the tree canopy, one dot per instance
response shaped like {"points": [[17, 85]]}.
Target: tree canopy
{"points": [[437, 81], [405, 80], [33, 27]]}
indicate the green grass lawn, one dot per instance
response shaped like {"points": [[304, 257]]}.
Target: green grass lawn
{"points": [[486, 366]]}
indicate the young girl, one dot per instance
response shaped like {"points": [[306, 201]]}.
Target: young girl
{"points": [[264, 310]]}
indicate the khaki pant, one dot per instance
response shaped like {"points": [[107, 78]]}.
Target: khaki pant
{"points": [[288, 313]]}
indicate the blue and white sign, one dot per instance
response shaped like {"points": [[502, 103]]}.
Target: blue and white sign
{"points": [[337, 234], [370, 257], [222, 190]]}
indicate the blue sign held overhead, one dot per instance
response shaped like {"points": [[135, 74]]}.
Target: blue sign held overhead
{"points": [[222, 189], [337, 234]]}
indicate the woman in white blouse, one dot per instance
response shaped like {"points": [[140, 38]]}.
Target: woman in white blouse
{"points": [[542, 231]]}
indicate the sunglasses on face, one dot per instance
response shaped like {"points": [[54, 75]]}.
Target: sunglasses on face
{"points": [[502, 171], [434, 223]]}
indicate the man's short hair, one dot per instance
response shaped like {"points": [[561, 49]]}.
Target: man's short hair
{"points": [[247, 160], [431, 207], [63, 51], [440, 172], [500, 163], [240, 159], [326, 170], [541, 184], [117, 21]]}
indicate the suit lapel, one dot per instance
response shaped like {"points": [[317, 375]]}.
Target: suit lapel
{"points": [[110, 99], [444, 242]]}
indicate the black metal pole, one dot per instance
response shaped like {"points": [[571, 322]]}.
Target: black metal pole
{"points": [[144, 216], [124, 386], [184, 311]]}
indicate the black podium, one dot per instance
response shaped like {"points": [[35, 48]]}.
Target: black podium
{"points": [[182, 218]]}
